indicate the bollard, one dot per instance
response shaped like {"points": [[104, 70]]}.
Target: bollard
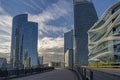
{"points": [[91, 75]]}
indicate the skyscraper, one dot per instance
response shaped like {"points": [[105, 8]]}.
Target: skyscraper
{"points": [[68, 43], [16, 53], [68, 40], [30, 32], [3, 63], [40, 60], [24, 36], [84, 17], [69, 58]]}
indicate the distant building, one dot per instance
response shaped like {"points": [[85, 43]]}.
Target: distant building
{"points": [[68, 40], [56, 64], [45, 65], [104, 37], [3, 63], [84, 18], [40, 60], [69, 58], [24, 36], [47, 58]]}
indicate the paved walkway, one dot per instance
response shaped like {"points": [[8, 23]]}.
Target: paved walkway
{"points": [[105, 73], [59, 74], [114, 71]]}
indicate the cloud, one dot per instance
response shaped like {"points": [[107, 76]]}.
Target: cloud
{"points": [[36, 5], [5, 31], [5, 23], [50, 35], [52, 58], [51, 49], [52, 13], [2, 11], [28, 4], [51, 45], [51, 39]]}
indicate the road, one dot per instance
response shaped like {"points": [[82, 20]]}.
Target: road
{"points": [[105, 73], [59, 74]]}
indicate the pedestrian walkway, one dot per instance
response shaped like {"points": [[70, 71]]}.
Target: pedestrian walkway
{"points": [[104, 73], [114, 71], [59, 74]]}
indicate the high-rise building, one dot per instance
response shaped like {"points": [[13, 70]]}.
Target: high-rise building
{"points": [[68, 43], [3, 63], [84, 17], [68, 40], [24, 36], [40, 60], [16, 53], [69, 58], [104, 37], [30, 37]]}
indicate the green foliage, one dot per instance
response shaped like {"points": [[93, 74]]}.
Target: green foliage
{"points": [[100, 64]]}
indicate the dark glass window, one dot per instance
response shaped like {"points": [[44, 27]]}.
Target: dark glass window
{"points": [[115, 9], [117, 48]]}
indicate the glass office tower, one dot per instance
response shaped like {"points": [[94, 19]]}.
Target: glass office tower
{"points": [[68, 45], [19, 36], [84, 18], [16, 53], [30, 37], [68, 40], [104, 37]]}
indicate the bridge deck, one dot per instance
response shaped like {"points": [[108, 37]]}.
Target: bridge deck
{"points": [[59, 74]]}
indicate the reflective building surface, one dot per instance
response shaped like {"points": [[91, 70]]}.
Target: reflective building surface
{"points": [[68, 40], [104, 37], [68, 45], [30, 37], [40, 60], [69, 58], [3, 63], [84, 18], [24, 42]]}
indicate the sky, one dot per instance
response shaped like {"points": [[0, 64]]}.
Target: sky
{"points": [[54, 17]]}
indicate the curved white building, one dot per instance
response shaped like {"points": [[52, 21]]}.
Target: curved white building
{"points": [[104, 37]]}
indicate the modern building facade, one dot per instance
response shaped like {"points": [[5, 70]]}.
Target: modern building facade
{"points": [[84, 18], [3, 63], [56, 64], [68, 40], [40, 60], [68, 44], [69, 58], [104, 37], [30, 37], [47, 57], [16, 50], [27, 60], [24, 36]]}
